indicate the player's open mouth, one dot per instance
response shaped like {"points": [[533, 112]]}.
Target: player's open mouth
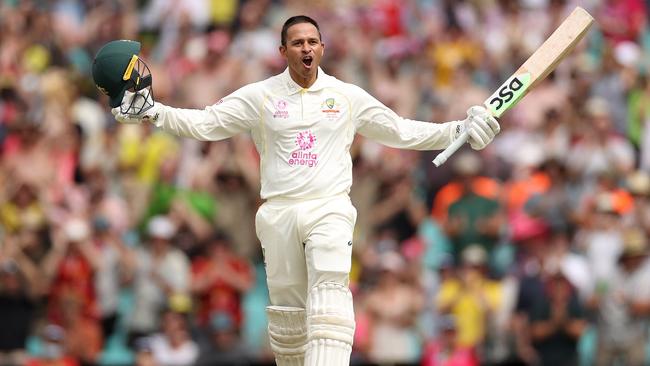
{"points": [[307, 60]]}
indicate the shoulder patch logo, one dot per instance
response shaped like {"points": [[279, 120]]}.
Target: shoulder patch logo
{"points": [[102, 89]]}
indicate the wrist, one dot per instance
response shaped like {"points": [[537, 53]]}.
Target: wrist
{"points": [[154, 114], [457, 128]]}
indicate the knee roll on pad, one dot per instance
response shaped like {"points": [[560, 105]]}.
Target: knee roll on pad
{"points": [[331, 325], [287, 334]]}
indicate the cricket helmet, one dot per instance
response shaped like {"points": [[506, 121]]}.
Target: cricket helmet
{"points": [[117, 69]]}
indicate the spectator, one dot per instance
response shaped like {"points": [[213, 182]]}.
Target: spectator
{"points": [[17, 309], [600, 149], [220, 279], [557, 322], [22, 210], [109, 277], [473, 218], [601, 240], [144, 352], [191, 211], [393, 307], [236, 184], [53, 353], [28, 159], [84, 339], [638, 183], [445, 350], [466, 167], [69, 269], [158, 271], [471, 297], [223, 345], [532, 274], [622, 20], [173, 346], [555, 206], [623, 307], [395, 211]]}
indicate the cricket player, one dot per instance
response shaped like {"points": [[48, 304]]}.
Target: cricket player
{"points": [[302, 122]]}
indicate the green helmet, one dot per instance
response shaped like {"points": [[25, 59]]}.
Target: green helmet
{"points": [[117, 68]]}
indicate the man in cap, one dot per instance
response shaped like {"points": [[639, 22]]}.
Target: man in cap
{"points": [[303, 123], [624, 306], [160, 274], [638, 184]]}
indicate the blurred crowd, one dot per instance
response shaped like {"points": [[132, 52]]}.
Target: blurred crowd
{"points": [[124, 245]]}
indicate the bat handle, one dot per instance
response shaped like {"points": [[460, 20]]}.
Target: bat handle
{"points": [[446, 153]]}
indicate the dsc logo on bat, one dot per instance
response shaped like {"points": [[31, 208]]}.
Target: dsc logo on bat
{"points": [[508, 94]]}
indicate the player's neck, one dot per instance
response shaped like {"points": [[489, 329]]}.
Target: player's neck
{"points": [[304, 82]]}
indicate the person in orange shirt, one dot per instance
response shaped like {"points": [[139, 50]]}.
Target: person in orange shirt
{"points": [[466, 167], [70, 268]]}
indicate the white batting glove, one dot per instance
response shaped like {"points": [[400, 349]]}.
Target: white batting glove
{"points": [[141, 96], [481, 127]]}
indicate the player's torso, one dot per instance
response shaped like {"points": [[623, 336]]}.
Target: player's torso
{"points": [[306, 127]]}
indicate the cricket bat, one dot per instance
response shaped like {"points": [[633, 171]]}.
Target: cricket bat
{"points": [[534, 70]]}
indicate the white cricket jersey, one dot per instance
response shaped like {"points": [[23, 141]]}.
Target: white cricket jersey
{"points": [[303, 136]]}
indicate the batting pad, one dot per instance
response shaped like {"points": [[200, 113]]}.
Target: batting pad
{"points": [[287, 334], [331, 325]]}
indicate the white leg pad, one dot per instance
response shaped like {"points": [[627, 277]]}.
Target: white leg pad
{"points": [[331, 325], [287, 334]]}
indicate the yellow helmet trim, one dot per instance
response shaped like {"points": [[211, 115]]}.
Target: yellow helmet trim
{"points": [[129, 68]]}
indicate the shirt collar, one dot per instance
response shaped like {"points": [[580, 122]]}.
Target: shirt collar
{"points": [[293, 87]]}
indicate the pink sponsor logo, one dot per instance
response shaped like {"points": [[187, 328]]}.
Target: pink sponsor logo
{"points": [[305, 141], [281, 109]]}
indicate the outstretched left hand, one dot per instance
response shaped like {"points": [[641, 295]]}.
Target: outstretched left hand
{"points": [[138, 101], [481, 127]]}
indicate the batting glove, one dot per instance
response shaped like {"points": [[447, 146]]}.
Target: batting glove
{"points": [[481, 127], [134, 102]]}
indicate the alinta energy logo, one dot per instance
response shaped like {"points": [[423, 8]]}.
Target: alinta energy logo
{"points": [[305, 141]]}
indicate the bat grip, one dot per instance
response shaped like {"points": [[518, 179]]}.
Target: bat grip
{"points": [[446, 153]]}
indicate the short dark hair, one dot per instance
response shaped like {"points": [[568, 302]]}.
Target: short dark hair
{"points": [[297, 20]]}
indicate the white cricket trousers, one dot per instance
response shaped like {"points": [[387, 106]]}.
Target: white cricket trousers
{"points": [[305, 243], [307, 249]]}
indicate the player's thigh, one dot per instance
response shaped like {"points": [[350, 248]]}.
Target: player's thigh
{"points": [[328, 244], [284, 256]]}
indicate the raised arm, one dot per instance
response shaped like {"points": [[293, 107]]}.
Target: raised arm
{"points": [[234, 114], [378, 122]]}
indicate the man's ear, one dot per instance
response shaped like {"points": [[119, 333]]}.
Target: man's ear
{"points": [[283, 51]]}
